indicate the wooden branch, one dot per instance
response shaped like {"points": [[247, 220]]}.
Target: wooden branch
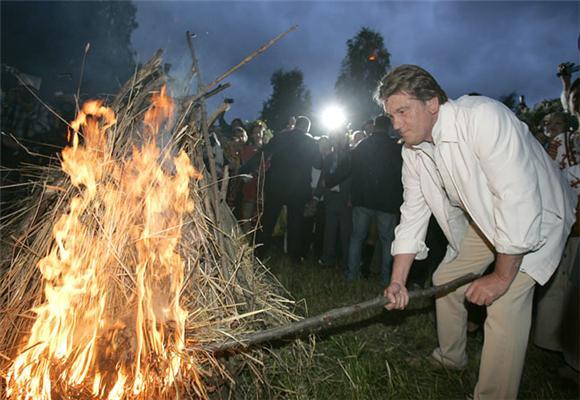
{"points": [[328, 318], [249, 58]]}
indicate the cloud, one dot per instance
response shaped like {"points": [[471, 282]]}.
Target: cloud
{"points": [[490, 47]]}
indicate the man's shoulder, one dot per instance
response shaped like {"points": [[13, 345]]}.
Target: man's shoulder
{"points": [[478, 104]]}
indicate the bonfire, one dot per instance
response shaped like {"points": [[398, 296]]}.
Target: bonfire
{"points": [[125, 264]]}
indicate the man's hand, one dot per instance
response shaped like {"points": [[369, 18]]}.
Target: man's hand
{"points": [[486, 289], [489, 288], [397, 295]]}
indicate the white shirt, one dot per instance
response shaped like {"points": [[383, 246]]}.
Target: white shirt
{"points": [[503, 178]]}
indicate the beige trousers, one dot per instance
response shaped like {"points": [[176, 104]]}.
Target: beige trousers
{"points": [[506, 328]]}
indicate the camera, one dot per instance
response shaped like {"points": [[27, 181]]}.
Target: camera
{"points": [[228, 101], [567, 68]]}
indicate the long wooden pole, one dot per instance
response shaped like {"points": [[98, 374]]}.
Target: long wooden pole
{"points": [[328, 318]]}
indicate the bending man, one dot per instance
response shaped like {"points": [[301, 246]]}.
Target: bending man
{"points": [[496, 194]]}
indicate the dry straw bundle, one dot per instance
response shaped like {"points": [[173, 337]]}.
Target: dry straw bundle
{"points": [[133, 267]]}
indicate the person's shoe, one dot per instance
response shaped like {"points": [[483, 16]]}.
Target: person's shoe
{"points": [[438, 361]]}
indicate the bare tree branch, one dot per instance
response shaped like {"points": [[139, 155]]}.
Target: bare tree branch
{"points": [[328, 318]]}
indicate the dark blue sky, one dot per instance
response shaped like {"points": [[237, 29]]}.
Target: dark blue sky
{"points": [[491, 47]]}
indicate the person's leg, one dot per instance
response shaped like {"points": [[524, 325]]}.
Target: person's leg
{"points": [[475, 255], [295, 225], [345, 222], [248, 211], [330, 230], [550, 307], [386, 225], [507, 328], [360, 225], [272, 208]]}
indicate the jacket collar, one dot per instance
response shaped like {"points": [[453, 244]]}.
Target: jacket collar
{"points": [[444, 129]]}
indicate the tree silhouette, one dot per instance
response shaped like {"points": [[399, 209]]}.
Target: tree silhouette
{"points": [[289, 98], [365, 63], [47, 39]]}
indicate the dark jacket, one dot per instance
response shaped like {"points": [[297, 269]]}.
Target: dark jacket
{"points": [[292, 155], [374, 167]]}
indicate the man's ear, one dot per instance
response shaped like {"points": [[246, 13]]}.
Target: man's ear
{"points": [[433, 105]]}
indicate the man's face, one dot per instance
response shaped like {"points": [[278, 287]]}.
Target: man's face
{"points": [[413, 119]]}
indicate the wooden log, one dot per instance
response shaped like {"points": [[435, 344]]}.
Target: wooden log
{"points": [[327, 319]]}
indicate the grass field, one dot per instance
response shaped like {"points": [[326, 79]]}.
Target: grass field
{"points": [[383, 355]]}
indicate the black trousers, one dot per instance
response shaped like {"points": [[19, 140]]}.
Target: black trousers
{"points": [[272, 206]]}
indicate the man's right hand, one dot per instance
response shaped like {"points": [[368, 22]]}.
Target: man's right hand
{"points": [[397, 295]]}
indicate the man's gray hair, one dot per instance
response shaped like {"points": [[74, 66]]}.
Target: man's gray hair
{"points": [[412, 80]]}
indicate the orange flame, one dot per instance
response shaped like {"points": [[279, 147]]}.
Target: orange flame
{"points": [[112, 324]]}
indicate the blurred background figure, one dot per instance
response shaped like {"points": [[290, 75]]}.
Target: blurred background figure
{"points": [[251, 191], [376, 191], [357, 137], [557, 325], [337, 208], [233, 152], [291, 154]]}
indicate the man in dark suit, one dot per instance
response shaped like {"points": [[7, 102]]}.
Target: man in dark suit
{"points": [[292, 155]]}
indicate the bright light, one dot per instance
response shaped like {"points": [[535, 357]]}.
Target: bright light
{"points": [[333, 117]]}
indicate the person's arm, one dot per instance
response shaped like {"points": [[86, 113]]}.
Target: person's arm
{"points": [[409, 243], [500, 142], [565, 77]]}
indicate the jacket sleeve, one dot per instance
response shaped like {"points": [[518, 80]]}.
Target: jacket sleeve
{"points": [[498, 140], [411, 232]]}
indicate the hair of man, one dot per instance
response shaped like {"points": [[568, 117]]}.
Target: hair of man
{"points": [[410, 79]]}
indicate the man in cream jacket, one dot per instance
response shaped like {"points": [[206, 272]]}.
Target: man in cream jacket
{"points": [[496, 195]]}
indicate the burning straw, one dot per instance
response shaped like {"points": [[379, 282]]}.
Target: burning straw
{"points": [[125, 263]]}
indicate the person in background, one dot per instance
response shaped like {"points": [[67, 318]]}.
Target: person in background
{"points": [[233, 152], [367, 127], [557, 314], [250, 189], [291, 155], [376, 191], [495, 193], [337, 208], [565, 72]]}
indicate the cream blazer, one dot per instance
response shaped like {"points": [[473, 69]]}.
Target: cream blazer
{"points": [[508, 186]]}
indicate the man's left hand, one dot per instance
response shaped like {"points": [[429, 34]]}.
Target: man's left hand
{"points": [[487, 289]]}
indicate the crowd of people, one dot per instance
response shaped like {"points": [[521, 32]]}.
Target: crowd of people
{"points": [[501, 191], [320, 196]]}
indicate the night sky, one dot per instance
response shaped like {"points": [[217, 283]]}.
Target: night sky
{"points": [[493, 48]]}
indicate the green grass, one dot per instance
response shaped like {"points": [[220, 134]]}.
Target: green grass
{"points": [[384, 355]]}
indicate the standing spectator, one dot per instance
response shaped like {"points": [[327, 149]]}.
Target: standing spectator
{"points": [[233, 152], [565, 71], [292, 155], [337, 208], [557, 317], [250, 189], [376, 191], [494, 192]]}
